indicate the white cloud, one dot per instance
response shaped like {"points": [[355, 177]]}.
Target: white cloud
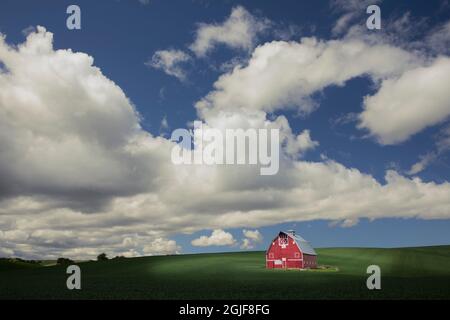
{"points": [[343, 23], [252, 237], [443, 142], [439, 38], [239, 31], [403, 106], [301, 144], [170, 61], [162, 246], [347, 223], [5, 252], [247, 244], [218, 237], [164, 124], [28, 30], [67, 131], [424, 162], [80, 176], [282, 74], [442, 145], [70, 138], [350, 11], [294, 145]]}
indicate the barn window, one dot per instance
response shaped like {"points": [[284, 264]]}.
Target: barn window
{"points": [[283, 240], [270, 255], [297, 255]]}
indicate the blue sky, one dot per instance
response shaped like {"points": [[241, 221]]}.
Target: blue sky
{"points": [[389, 233], [122, 36], [121, 45]]}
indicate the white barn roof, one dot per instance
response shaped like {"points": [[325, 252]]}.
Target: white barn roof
{"points": [[304, 245]]}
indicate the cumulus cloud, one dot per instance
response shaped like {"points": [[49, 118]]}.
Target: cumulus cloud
{"points": [[246, 244], [301, 143], [283, 74], [252, 237], [170, 62], [218, 237], [80, 176], [405, 105], [239, 31], [70, 138], [162, 246], [67, 131]]}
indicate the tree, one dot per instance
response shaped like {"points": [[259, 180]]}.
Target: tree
{"points": [[64, 261], [102, 257]]}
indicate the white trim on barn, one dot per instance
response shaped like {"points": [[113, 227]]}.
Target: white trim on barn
{"points": [[270, 260]]}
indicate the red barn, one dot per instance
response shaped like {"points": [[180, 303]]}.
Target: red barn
{"points": [[289, 250]]}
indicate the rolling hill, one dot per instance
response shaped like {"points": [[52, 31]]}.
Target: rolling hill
{"points": [[407, 273]]}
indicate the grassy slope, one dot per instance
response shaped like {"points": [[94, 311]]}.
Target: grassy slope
{"points": [[6, 265], [406, 273]]}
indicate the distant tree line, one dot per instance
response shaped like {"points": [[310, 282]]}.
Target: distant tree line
{"points": [[64, 261], [21, 260], [104, 257], [61, 260]]}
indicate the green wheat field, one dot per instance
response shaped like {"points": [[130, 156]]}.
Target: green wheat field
{"points": [[406, 273]]}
